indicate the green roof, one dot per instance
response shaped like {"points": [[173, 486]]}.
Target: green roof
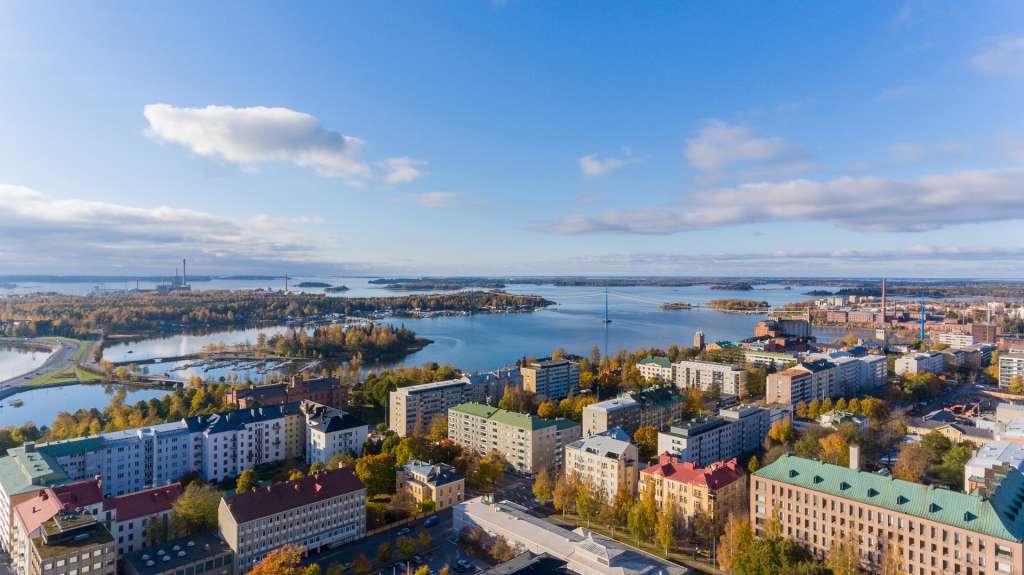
{"points": [[658, 360], [515, 419], [22, 471], [999, 515], [76, 446]]}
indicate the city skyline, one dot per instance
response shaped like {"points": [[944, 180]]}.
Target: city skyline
{"points": [[498, 138]]}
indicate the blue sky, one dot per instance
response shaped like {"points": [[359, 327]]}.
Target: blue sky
{"points": [[861, 138]]}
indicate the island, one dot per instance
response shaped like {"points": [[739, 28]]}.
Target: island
{"points": [[676, 305], [733, 286], [739, 305], [313, 285], [335, 289]]}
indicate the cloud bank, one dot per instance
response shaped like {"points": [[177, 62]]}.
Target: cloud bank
{"points": [[869, 204], [41, 232], [1001, 56], [593, 165], [720, 147]]}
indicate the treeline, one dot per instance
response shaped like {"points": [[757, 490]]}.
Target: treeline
{"points": [[375, 388], [49, 314], [733, 304], [371, 341]]}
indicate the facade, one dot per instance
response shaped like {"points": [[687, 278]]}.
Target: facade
{"points": [[705, 440], [705, 375], [855, 375], [998, 457], [69, 542], [804, 382], [656, 368], [920, 362], [23, 472], [653, 407], [1011, 365], [553, 379], [437, 482], [606, 461], [234, 441], [323, 390], [984, 332], [30, 515], [955, 340], [585, 552], [527, 442], [774, 359], [718, 489], [331, 431], [412, 409], [200, 554], [929, 530], [313, 512], [140, 519]]}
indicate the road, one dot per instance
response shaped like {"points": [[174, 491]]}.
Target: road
{"points": [[445, 551], [63, 357]]}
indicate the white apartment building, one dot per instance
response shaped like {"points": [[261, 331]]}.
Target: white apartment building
{"points": [[551, 378], [705, 375], [527, 442], [731, 434], [606, 461], [330, 431], [412, 409], [1011, 365], [955, 340], [656, 368], [921, 362], [854, 375], [314, 512]]}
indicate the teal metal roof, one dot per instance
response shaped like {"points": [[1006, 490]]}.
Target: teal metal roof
{"points": [[999, 515], [658, 360], [22, 471], [72, 446], [515, 419]]}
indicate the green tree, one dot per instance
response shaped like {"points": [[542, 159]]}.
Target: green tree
{"points": [[646, 439], [665, 533], [196, 509], [642, 517], [406, 546], [427, 506], [735, 542], [753, 464], [246, 481], [384, 553], [377, 472], [424, 541], [588, 502]]}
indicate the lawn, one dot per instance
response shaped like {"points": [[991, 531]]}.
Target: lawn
{"points": [[70, 373]]}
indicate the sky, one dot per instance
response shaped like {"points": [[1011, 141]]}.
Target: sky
{"points": [[513, 137]]}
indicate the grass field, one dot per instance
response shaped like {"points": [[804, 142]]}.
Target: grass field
{"points": [[70, 373]]}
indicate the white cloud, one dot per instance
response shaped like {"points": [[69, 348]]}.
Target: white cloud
{"points": [[1001, 56], [593, 165], [436, 199], [868, 204], [911, 152], [403, 170], [257, 135], [721, 146], [40, 230]]}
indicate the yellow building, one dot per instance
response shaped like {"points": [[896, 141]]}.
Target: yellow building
{"points": [[438, 482], [715, 489]]}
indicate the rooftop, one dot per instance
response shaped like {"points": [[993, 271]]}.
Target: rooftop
{"points": [[69, 533], [436, 473], [714, 476], [612, 444], [143, 503], [280, 497], [998, 516], [521, 420], [176, 553], [433, 385], [998, 452], [657, 360], [25, 469], [529, 564], [623, 401]]}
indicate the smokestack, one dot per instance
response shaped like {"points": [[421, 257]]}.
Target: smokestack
{"points": [[184, 276], [883, 301]]}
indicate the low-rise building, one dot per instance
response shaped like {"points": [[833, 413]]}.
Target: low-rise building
{"points": [[585, 552], [199, 554], [656, 368], [313, 512], [438, 482], [717, 489], [606, 461], [527, 442], [652, 407], [998, 457], [731, 434], [553, 379], [835, 418], [1011, 365], [707, 376], [331, 431], [323, 390], [922, 529], [921, 362]]}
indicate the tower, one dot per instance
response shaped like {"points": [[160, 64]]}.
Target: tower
{"points": [[184, 276], [884, 309], [922, 316], [698, 339]]}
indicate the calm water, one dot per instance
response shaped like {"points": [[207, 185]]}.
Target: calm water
{"points": [[41, 406], [16, 361], [358, 286]]}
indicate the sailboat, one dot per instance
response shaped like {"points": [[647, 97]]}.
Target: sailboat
{"points": [[606, 320]]}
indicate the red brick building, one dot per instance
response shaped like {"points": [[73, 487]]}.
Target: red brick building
{"points": [[323, 390]]}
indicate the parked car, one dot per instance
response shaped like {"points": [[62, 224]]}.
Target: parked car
{"points": [[404, 531], [431, 521], [417, 559]]}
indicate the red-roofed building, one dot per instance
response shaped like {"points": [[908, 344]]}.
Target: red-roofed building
{"points": [[141, 518], [718, 489], [328, 508]]}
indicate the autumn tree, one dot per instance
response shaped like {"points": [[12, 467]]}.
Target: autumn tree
{"points": [[665, 533], [735, 540], [285, 560], [834, 450], [362, 565], [564, 495], [196, 509], [384, 553], [782, 431], [646, 439], [406, 546], [642, 517], [542, 486], [246, 481], [588, 501], [912, 463]]}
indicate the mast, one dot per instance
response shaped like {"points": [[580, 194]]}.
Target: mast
{"points": [[921, 304], [606, 320]]}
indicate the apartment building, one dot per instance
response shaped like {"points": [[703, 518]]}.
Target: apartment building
{"points": [[140, 519], [527, 442], [61, 540], [921, 362], [606, 461], [316, 511], [43, 505], [704, 440], [854, 375], [234, 441], [199, 554], [653, 407], [551, 378], [656, 368], [706, 375], [928, 530], [955, 340], [996, 457], [1011, 365], [322, 390], [331, 431], [984, 332], [803, 382], [418, 481], [773, 359], [412, 409], [717, 489], [23, 472]]}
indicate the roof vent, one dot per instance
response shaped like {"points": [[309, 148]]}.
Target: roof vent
{"points": [[793, 473], [900, 500], [844, 485], [818, 479], [872, 492], [968, 516], [934, 508]]}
